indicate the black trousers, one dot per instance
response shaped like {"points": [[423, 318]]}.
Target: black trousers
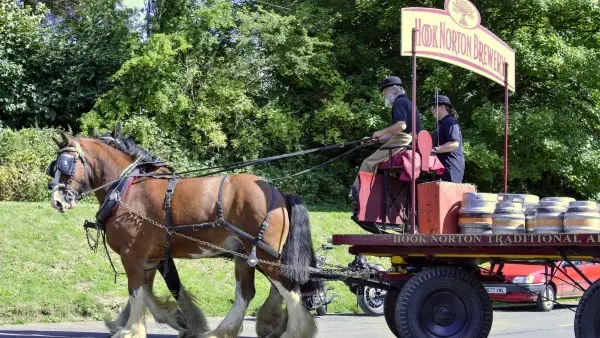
{"points": [[452, 176]]}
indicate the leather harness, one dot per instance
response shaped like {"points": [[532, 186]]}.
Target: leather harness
{"points": [[220, 221], [118, 189]]}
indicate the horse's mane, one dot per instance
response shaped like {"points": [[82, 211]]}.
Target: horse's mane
{"points": [[127, 145]]}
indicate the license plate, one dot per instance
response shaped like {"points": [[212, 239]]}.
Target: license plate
{"points": [[496, 290]]}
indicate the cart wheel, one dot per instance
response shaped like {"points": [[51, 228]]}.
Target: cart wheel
{"points": [[587, 317], [389, 308], [443, 302], [546, 303]]}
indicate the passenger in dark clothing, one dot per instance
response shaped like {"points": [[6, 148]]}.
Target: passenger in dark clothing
{"points": [[447, 140]]}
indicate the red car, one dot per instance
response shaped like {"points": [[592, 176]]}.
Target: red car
{"points": [[531, 278]]}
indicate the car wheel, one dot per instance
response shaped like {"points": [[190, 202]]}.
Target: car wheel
{"points": [[546, 298]]}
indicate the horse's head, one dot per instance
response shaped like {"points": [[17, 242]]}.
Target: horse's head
{"points": [[90, 165], [70, 173]]}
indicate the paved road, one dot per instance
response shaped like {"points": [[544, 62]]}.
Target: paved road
{"points": [[514, 322]]}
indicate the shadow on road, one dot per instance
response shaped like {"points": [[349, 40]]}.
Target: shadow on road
{"points": [[57, 334], [530, 308], [344, 315], [64, 334]]}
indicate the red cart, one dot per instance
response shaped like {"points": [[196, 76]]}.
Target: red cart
{"points": [[435, 284]]}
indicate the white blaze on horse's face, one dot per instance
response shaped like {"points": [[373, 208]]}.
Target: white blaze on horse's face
{"points": [[62, 197], [67, 172], [60, 200]]}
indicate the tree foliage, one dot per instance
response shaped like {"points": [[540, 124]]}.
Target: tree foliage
{"points": [[218, 81], [554, 115], [54, 68]]}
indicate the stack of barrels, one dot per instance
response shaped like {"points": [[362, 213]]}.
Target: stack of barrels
{"points": [[475, 214], [483, 213]]}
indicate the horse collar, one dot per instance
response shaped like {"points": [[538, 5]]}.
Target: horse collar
{"points": [[116, 191]]}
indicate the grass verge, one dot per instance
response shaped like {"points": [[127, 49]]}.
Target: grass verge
{"points": [[49, 274]]}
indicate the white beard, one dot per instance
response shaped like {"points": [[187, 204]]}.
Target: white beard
{"points": [[389, 100]]}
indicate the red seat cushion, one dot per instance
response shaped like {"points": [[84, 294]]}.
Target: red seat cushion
{"points": [[403, 161], [397, 162]]}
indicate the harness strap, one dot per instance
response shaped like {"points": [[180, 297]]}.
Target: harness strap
{"points": [[170, 276], [194, 227], [265, 223], [256, 242], [168, 196], [253, 259], [111, 201], [220, 199], [116, 192], [220, 221], [249, 237]]}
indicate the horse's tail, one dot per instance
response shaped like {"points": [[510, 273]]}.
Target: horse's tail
{"points": [[298, 251]]}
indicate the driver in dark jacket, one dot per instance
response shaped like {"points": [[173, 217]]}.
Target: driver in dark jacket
{"points": [[398, 134]]}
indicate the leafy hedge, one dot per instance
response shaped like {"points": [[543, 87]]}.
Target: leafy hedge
{"points": [[24, 157]]}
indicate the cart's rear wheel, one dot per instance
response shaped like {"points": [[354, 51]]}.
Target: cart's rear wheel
{"points": [[587, 317], [389, 307], [443, 302]]}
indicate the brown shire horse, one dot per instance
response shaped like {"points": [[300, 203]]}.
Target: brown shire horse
{"points": [[88, 163]]}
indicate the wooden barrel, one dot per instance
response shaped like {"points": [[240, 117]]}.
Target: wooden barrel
{"points": [[523, 198], [530, 217], [549, 216], [508, 218], [475, 214], [530, 203], [582, 217], [562, 200]]}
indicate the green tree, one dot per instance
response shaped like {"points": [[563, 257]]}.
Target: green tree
{"points": [[221, 81], [553, 115], [62, 8], [54, 69]]}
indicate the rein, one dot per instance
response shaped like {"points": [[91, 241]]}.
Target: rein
{"points": [[238, 165]]}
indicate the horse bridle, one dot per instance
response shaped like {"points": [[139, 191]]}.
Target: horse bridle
{"points": [[65, 165]]}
